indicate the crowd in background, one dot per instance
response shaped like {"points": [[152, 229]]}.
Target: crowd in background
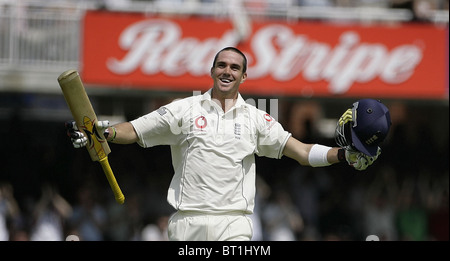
{"points": [[49, 190], [422, 10]]}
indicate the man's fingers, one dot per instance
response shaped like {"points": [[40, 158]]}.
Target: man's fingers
{"points": [[75, 134], [71, 125], [79, 142], [77, 137], [103, 124], [361, 164]]}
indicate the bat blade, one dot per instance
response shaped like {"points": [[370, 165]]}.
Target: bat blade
{"points": [[84, 115]]}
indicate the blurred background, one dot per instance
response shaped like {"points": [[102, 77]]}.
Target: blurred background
{"points": [[308, 62]]}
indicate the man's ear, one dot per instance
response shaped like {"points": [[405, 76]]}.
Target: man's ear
{"points": [[244, 77], [211, 71]]}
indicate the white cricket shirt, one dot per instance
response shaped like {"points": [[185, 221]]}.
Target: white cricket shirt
{"points": [[212, 151]]}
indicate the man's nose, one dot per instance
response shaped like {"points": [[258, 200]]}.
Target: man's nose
{"points": [[227, 70]]}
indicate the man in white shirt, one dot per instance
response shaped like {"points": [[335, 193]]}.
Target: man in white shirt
{"points": [[213, 139]]}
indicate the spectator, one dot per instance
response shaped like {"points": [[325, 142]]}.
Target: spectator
{"points": [[50, 215], [380, 211], [89, 217], [156, 230], [9, 210], [281, 219], [439, 218], [411, 218]]}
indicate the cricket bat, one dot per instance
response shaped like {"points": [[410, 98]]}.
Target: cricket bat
{"points": [[86, 120]]}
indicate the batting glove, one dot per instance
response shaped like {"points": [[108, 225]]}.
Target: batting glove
{"points": [[104, 127], [359, 160], [77, 137]]}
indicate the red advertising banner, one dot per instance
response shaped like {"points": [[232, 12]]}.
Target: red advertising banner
{"points": [[130, 50]]}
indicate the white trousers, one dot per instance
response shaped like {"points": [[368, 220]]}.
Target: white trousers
{"points": [[197, 226]]}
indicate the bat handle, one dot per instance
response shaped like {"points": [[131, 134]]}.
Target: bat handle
{"points": [[120, 198]]}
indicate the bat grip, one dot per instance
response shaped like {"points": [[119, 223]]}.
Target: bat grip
{"points": [[120, 198]]}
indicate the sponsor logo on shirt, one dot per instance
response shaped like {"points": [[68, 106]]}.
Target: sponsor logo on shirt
{"points": [[200, 122], [270, 121]]}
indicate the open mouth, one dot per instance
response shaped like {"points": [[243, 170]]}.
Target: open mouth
{"points": [[225, 80]]}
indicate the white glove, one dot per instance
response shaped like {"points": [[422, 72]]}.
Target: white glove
{"points": [[103, 128], [77, 137], [102, 125], [359, 160]]}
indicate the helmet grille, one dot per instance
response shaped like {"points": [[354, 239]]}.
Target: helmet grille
{"points": [[343, 136]]}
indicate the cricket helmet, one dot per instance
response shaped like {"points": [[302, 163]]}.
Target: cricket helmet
{"points": [[369, 126]]}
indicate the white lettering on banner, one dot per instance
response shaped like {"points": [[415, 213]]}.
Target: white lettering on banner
{"points": [[400, 65], [156, 46], [144, 41]]}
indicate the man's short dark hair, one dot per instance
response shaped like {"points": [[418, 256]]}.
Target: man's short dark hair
{"points": [[236, 50]]}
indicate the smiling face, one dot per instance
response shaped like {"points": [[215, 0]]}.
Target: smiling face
{"points": [[227, 74]]}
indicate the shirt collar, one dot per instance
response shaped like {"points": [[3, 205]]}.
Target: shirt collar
{"points": [[239, 102]]}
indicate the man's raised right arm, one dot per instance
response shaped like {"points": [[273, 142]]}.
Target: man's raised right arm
{"points": [[121, 133]]}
